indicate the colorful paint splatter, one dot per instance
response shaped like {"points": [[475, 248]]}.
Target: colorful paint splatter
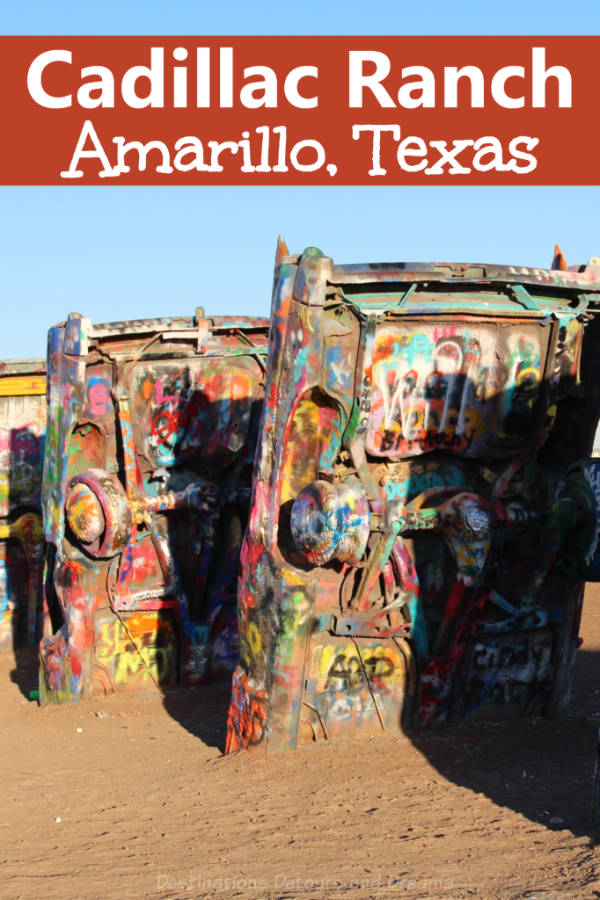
{"points": [[423, 508], [22, 432], [152, 427]]}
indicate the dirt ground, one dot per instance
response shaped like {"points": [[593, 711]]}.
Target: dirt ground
{"points": [[130, 797]]}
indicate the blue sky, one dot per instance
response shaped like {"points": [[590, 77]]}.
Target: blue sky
{"points": [[114, 252]]}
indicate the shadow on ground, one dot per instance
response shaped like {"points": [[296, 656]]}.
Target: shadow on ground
{"points": [[201, 710], [539, 768], [25, 672]]}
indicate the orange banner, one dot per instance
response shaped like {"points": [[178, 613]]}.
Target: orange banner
{"points": [[298, 110]]}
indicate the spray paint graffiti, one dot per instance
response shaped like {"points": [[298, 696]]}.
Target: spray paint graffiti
{"points": [[508, 672], [98, 397], [471, 389], [245, 724], [22, 432], [419, 518], [146, 493], [136, 651], [419, 485], [189, 410]]}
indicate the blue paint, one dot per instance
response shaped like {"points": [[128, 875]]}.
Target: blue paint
{"points": [[418, 482]]}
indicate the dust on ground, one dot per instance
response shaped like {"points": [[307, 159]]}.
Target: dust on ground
{"points": [[130, 797]]}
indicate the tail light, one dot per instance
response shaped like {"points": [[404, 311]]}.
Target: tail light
{"points": [[98, 512], [331, 521]]}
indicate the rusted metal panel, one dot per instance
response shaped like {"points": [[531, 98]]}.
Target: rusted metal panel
{"points": [[22, 431], [424, 508], [151, 432]]}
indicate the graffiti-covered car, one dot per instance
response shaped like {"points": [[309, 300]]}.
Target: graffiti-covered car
{"points": [[151, 432], [22, 431], [423, 507]]}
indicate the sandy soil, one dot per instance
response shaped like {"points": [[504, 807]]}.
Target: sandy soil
{"points": [[130, 797]]}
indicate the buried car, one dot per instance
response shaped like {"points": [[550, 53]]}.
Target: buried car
{"points": [[424, 507], [151, 431], [22, 430]]}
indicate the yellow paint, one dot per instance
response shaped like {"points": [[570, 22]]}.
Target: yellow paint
{"points": [[383, 661], [310, 435], [22, 385], [549, 420], [254, 639], [529, 373], [476, 425], [142, 661], [27, 528]]}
